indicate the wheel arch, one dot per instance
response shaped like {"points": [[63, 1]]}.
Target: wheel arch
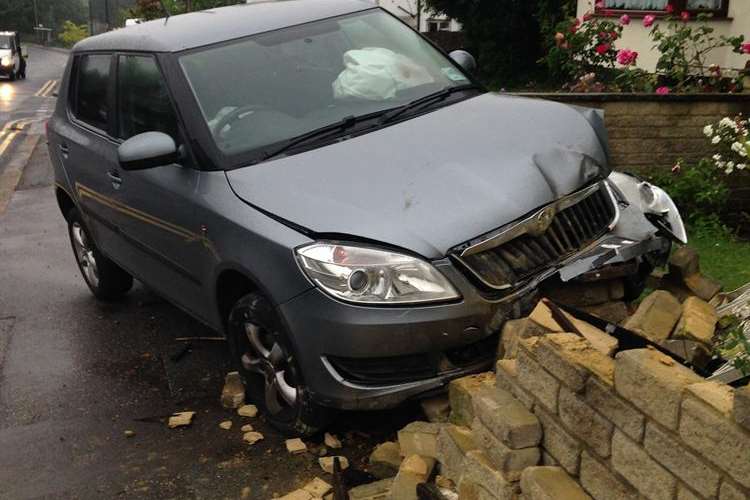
{"points": [[64, 201], [231, 285]]}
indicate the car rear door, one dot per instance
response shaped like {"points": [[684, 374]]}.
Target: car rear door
{"points": [[85, 147], [168, 245]]}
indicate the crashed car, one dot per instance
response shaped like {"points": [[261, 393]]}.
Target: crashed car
{"points": [[336, 195]]}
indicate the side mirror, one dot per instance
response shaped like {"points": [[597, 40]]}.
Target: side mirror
{"points": [[465, 60], [147, 150]]}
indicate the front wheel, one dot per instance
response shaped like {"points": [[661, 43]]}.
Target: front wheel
{"points": [[268, 366], [105, 279]]}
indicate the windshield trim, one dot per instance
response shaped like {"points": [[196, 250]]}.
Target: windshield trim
{"points": [[222, 161]]}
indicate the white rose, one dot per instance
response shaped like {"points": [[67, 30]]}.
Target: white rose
{"points": [[708, 130], [716, 140]]}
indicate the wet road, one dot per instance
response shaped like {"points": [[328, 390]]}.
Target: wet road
{"points": [[75, 374]]}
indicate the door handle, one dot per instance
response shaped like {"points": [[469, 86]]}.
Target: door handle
{"points": [[64, 150], [115, 178]]}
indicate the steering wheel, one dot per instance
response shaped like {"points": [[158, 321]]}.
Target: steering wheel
{"points": [[238, 114]]}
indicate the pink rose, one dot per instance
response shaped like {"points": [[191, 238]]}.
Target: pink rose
{"points": [[663, 90], [745, 47], [600, 5], [685, 16], [603, 48], [669, 9], [625, 20], [649, 20], [627, 57]]}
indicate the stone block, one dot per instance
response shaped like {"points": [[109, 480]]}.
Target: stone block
{"points": [[506, 378], [715, 394], [601, 483], [716, 438], [702, 286], [415, 470], [729, 491], [681, 462], [571, 359], [656, 316], [513, 332], [454, 443], [479, 471], [550, 483], [510, 462], [586, 294], [698, 321], [684, 262], [559, 443], [603, 398], [508, 419], [639, 469], [684, 493], [535, 379], [614, 312], [741, 407], [385, 460], [599, 340], [419, 438], [469, 490], [653, 382], [585, 423], [461, 393], [379, 490]]}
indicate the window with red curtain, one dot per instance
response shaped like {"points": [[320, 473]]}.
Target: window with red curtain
{"points": [[718, 8]]}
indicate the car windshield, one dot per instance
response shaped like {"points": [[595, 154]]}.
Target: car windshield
{"points": [[273, 87], [4, 42]]}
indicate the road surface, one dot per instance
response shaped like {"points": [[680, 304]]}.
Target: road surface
{"points": [[75, 374]]}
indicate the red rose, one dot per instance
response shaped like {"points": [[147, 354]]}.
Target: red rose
{"points": [[669, 9], [603, 48], [685, 16]]}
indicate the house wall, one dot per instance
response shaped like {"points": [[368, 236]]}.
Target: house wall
{"points": [[401, 8], [636, 36]]}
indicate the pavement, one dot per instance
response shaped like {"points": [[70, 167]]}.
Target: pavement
{"points": [[75, 374]]}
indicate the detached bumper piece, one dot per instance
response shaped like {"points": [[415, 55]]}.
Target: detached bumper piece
{"points": [[506, 259]]}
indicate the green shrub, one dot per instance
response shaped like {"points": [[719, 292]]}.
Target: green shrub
{"points": [[72, 33]]}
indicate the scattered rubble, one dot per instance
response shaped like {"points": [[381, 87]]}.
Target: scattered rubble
{"points": [[326, 463], [248, 411], [233, 393], [252, 437], [318, 488], [246, 428], [437, 409], [129, 434], [181, 419], [385, 460], [226, 425], [295, 446], [332, 441]]}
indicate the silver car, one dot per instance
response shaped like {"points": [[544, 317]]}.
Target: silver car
{"points": [[336, 195]]}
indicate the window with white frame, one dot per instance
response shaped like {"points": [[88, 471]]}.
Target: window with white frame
{"points": [[718, 8]]}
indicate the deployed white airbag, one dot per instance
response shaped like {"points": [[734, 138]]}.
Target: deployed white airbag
{"points": [[377, 74]]}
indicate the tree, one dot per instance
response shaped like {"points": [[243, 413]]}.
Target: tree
{"points": [[507, 35], [73, 33], [20, 16], [152, 9]]}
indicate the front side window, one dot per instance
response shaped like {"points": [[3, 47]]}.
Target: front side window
{"points": [[5, 42], [91, 97], [269, 88], [142, 98]]}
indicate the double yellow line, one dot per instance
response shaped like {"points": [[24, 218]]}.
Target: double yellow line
{"points": [[47, 89], [10, 131]]}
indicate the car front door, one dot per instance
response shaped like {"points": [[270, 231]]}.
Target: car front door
{"points": [[157, 212]]}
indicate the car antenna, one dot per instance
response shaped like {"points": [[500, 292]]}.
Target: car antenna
{"points": [[164, 7]]}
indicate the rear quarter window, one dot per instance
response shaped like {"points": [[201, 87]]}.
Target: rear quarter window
{"points": [[90, 100]]}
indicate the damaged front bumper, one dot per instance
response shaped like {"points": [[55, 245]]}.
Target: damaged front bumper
{"points": [[359, 357]]}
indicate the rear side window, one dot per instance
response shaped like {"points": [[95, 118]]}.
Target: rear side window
{"points": [[91, 104], [143, 100]]}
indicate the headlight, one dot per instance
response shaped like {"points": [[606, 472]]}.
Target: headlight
{"points": [[5, 61], [370, 276], [656, 201]]}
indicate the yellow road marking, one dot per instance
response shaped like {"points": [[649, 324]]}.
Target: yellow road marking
{"points": [[16, 126], [45, 88], [51, 89]]}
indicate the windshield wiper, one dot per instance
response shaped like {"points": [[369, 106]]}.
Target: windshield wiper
{"points": [[341, 125], [423, 101]]}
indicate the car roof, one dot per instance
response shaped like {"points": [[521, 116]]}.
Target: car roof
{"points": [[197, 29]]}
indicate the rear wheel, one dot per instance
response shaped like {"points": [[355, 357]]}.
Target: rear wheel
{"points": [[12, 75], [268, 365], [107, 280]]}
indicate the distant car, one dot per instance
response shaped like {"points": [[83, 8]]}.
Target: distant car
{"points": [[337, 196], [12, 59]]}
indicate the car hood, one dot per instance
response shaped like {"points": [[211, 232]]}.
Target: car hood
{"points": [[437, 180]]}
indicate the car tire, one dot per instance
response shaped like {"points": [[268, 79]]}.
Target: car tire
{"points": [[267, 363], [12, 76], [106, 280]]}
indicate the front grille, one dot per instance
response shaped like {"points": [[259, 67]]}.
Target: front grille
{"points": [[513, 255]]}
